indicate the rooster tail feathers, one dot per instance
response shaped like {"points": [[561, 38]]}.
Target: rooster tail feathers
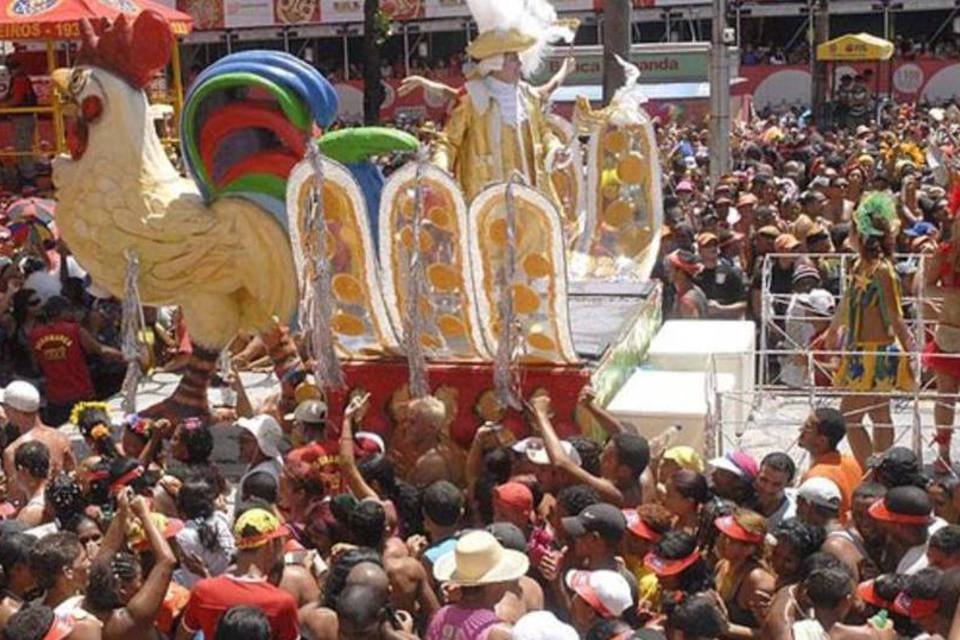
{"points": [[246, 122]]}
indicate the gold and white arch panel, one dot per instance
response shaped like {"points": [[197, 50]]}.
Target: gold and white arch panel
{"points": [[539, 287], [625, 201], [359, 322], [449, 308], [568, 181]]}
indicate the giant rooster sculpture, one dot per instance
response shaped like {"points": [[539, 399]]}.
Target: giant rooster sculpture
{"points": [[216, 244]]}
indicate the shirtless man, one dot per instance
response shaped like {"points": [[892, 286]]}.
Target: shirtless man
{"points": [[421, 448], [120, 596], [623, 461], [831, 591], [321, 623], [32, 466], [21, 402]]}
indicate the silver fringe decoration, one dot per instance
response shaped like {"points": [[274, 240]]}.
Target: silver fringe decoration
{"points": [[316, 298], [416, 280], [506, 346], [132, 322]]}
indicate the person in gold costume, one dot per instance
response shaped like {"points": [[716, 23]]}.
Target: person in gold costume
{"points": [[497, 126]]}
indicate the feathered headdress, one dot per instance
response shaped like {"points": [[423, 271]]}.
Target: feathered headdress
{"points": [[876, 215], [526, 30]]}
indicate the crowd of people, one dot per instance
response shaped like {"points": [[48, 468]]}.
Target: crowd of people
{"points": [[333, 531], [345, 536], [860, 223]]}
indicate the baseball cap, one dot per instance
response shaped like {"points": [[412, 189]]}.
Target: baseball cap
{"points": [[732, 528], [707, 238], [514, 494], [536, 452], [685, 457], [786, 242], [895, 462], [739, 463], [22, 396], [266, 431], [746, 200], [509, 535], [914, 607], [868, 593], [542, 625], [311, 411], [60, 628], [819, 301], [257, 527], [639, 528], [903, 505], [921, 228], [684, 185], [821, 492], [168, 528], [803, 271], [604, 519], [607, 592], [769, 230]]}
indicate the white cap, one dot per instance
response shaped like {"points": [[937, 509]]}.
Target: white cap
{"points": [[266, 431], [542, 625], [821, 491], [45, 285], [820, 301], [22, 396], [537, 453], [607, 592]]}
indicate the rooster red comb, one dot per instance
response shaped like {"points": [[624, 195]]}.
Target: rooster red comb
{"points": [[134, 52]]}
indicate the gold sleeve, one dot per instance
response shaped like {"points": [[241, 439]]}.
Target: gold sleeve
{"points": [[450, 139]]}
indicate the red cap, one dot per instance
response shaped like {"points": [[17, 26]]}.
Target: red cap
{"points": [[60, 629], [514, 494], [638, 527], [669, 567], [915, 608], [868, 593], [879, 511], [729, 526]]}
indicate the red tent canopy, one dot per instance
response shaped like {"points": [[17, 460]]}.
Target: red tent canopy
{"points": [[60, 19]]}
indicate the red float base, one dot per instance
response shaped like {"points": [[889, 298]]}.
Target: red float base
{"points": [[387, 381]]}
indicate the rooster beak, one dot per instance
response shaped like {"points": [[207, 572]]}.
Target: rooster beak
{"points": [[61, 80]]}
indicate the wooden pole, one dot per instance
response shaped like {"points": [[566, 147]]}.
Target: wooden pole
{"points": [[177, 87], [616, 42], [61, 142]]}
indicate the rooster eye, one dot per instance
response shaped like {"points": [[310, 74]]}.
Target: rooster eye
{"points": [[78, 80]]}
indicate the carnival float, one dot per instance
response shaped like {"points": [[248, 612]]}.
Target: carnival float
{"points": [[401, 287]]}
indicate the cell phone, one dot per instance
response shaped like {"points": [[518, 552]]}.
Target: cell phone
{"points": [[390, 613]]}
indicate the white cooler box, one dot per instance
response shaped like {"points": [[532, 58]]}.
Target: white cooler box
{"points": [[652, 400], [687, 345]]}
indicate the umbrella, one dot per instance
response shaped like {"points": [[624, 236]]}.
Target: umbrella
{"points": [[39, 208], [31, 231], [60, 19]]}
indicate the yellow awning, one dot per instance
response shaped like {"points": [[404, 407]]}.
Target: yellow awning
{"points": [[855, 47]]}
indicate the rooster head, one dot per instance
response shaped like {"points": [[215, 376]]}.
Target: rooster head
{"points": [[115, 60]]}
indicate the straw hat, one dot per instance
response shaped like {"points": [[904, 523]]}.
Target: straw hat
{"points": [[479, 559]]}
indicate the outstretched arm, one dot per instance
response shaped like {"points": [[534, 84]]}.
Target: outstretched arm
{"points": [[551, 442], [143, 607], [348, 459]]}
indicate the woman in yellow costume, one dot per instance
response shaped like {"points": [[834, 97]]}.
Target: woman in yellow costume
{"points": [[497, 126], [875, 334]]}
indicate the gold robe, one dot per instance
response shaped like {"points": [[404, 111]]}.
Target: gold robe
{"points": [[467, 146]]}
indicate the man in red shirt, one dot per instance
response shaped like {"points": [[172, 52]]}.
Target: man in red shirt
{"points": [[821, 434], [60, 348], [22, 95], [259, 537]]}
